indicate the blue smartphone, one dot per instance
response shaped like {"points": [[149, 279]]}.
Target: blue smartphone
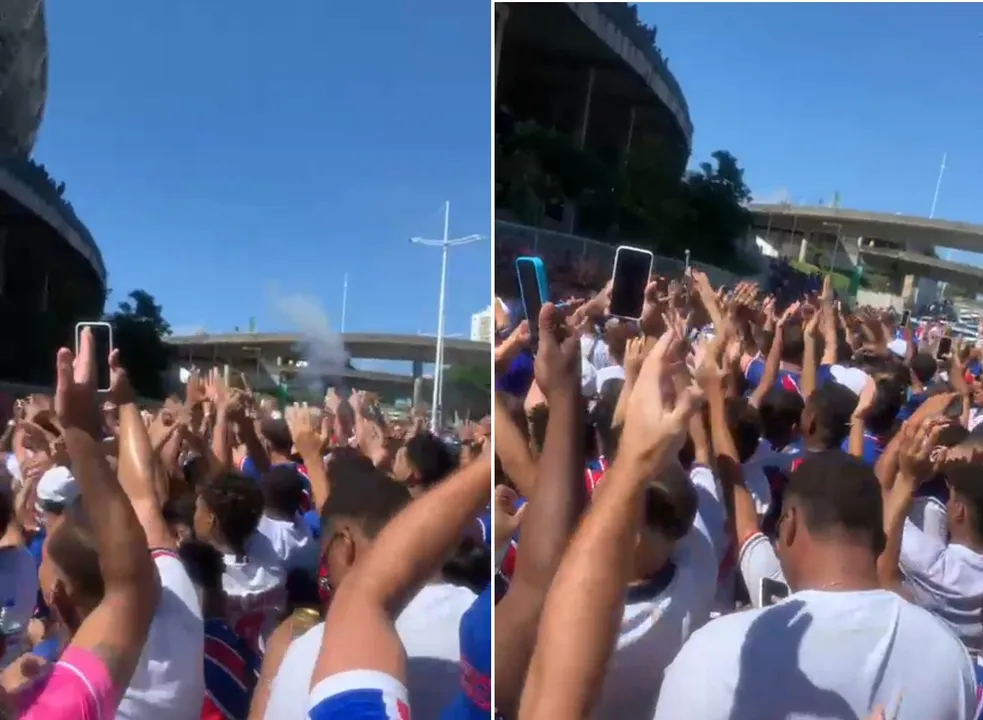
{"points": [[533, 289]]}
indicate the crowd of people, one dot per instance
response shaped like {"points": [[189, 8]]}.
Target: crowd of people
{"points": [[224, 558], [737, 506]]}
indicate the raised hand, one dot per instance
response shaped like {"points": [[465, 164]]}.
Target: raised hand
{"points": [[507, 518], [919, 456], [120, 390], [75, 389], [557, 365]]}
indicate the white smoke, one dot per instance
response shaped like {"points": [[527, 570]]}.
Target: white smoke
{"points": [[321, 348]]}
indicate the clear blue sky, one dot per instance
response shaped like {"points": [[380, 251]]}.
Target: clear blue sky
{"points": [[215, 149], [815, 98]]}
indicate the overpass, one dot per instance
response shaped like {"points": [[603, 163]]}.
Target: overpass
{"points": [[251, 352], [894, 243]]}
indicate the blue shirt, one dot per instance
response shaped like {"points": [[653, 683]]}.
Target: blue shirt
{"points": [[473, 701]]}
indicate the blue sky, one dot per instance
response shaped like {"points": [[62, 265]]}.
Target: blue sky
{"points": [[218, 150], [814, 98]]}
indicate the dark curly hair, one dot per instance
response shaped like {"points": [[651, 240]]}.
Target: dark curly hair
{"points": [[237, 503]]}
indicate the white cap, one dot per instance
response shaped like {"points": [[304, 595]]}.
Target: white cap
{"points": [[57, 485], [849, 377]]}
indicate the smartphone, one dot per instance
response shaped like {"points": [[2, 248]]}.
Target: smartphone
{"points": [[772, 591], [905, 317], [533, 290], [102, 336], [945, 347], [632, 270]]}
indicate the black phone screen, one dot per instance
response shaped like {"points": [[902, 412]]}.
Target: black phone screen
{"points": [[945, 347], [531, 300], [772, 591], [905, 317], [102, 336], [631, 275]]}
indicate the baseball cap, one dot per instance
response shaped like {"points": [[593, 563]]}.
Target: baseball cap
{"points": [[57, 486]]}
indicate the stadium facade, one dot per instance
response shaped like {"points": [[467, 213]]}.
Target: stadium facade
{"points": [[51, 271]]}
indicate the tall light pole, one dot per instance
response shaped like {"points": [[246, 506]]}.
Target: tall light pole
{"points": [[438, 372], [344, 304], [836, 246]]}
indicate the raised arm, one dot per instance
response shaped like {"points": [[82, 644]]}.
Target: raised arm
{"points": [[588, 592], [137, 463], [116, 630], [552, 511]]}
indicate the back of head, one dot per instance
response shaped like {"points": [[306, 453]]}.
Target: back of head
{"points": [[793, 343], [277, 435], [205, 564], [236, 502], [923, 367], [839, 500], [745, 426], [780, 413], [283, 490], [888, 399], [602, 417], [430, 459], [826, 415], [366, 496], [670, 503], [965, 480], [72, 548]]}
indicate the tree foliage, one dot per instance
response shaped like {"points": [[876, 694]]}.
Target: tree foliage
{"points": [[467, 391], [641, 197], [139, 329]]}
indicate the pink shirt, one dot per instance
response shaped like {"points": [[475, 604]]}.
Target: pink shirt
{"points": [[78, 688]]}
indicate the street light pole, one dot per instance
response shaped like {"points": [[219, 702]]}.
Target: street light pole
{"points": [[438, 373], [344, 304], [836, 246]]}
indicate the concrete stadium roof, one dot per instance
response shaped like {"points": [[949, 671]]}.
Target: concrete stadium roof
{"points": [[23, 73], [421, 348], [900, 229]]}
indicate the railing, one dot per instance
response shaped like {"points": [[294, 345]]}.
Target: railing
{"points": [[626, 19], [558, 247]]}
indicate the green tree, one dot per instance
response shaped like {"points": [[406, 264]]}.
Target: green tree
{"points": [[139, 329], [467, 391]]}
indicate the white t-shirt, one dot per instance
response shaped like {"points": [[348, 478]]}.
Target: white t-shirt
{"points": [[757, 560], [429, 629], [655, 626], [946, 579], [822, 655], [292, 542], [19, 594], [255, 592], [169, 682]]}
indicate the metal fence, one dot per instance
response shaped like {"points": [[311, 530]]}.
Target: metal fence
{"points": [[558, 247]]}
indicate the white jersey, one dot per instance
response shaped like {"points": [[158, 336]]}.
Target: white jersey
{"points": [[292, 543], [821, 654], [947, 579], [256, 592], [169, 681], [660, 615], [429, 628]]}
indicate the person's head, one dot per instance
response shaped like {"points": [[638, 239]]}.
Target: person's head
{"points": [[781, 412], [889, 396], [276, 437], [56, 491], [745, 426], [825, 419], [423, 461], [602, 418], [227, 512], [179, 514], [283, 491], [669, 507], [205, 566], [923, 368], [793, 343], [832, 501], [344, 422], [69, 576], [362, 500], [964, 478]]}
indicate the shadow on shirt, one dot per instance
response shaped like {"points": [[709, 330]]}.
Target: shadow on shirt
{"points": [[770, 659]]}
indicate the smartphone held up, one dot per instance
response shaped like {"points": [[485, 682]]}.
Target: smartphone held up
{"points": [[102, 339]]}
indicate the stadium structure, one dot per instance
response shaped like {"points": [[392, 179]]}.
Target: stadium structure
{"points": [[590, 71], [51, 272]]}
